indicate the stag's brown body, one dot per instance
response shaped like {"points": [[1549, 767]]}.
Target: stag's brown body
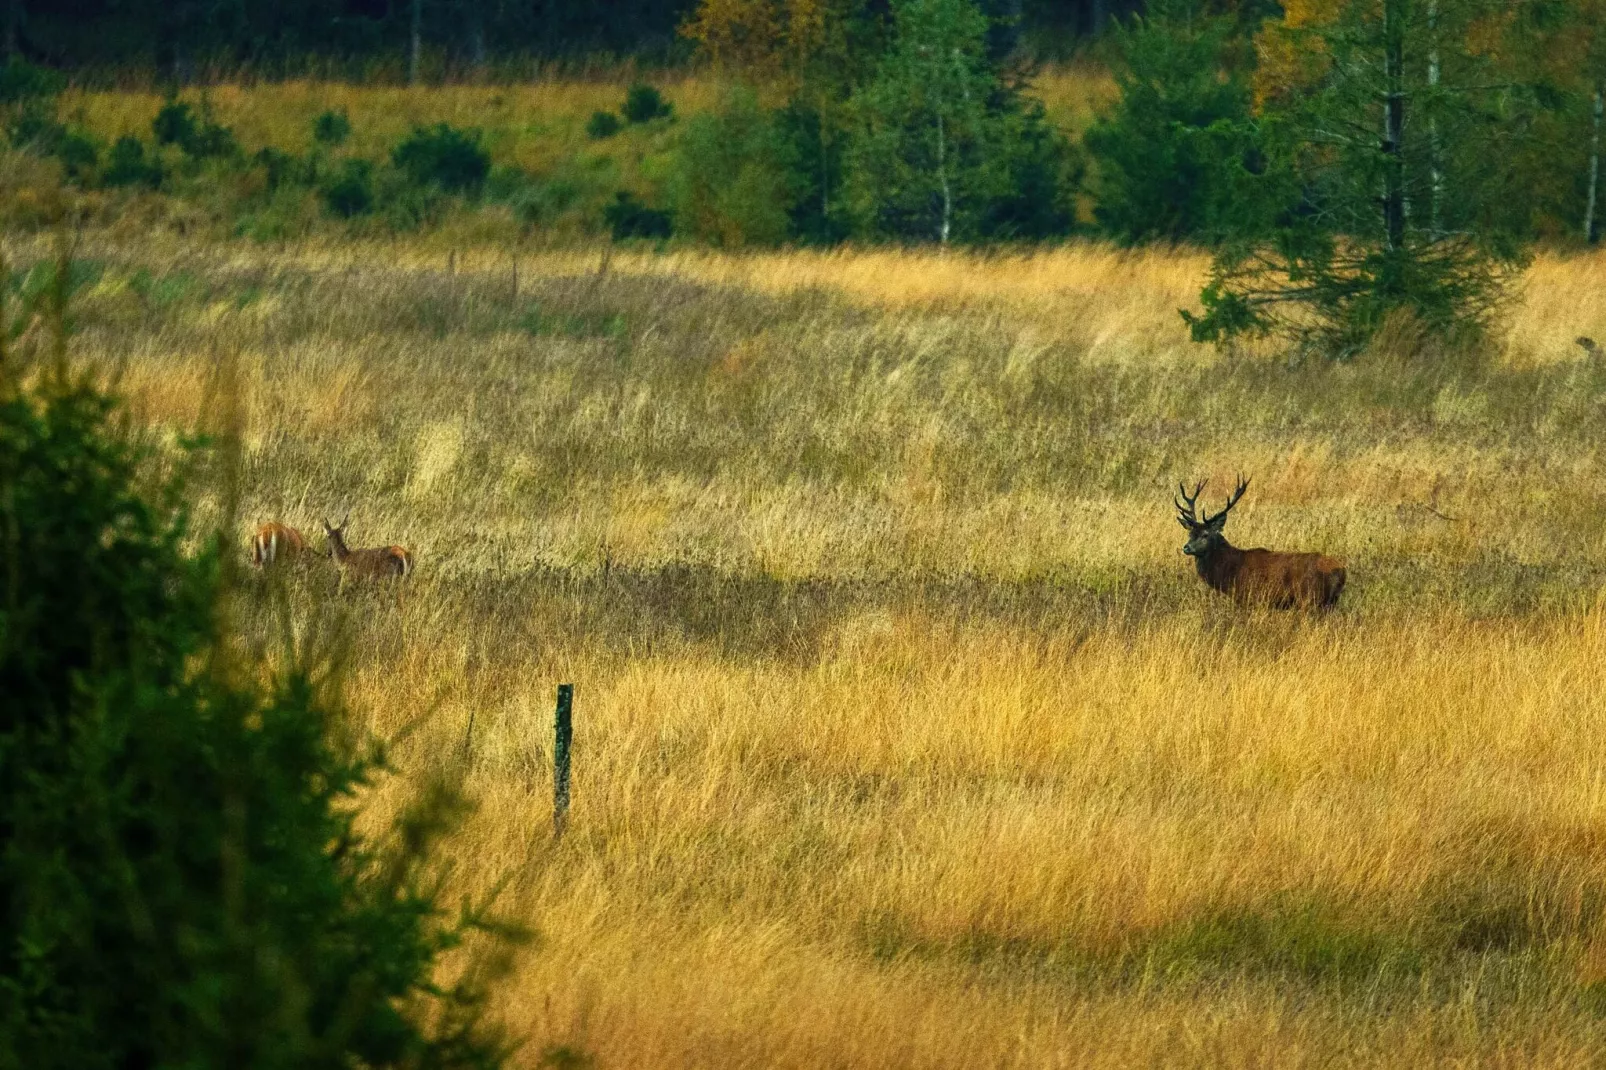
{"points": [[1260, 577], [273, 542], [1267, 577], [368, 564]]}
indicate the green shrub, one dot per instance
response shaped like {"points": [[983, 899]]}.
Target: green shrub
{"points": [[331, 128], [78, 154], [643, 103], [201, 139], [627, 217], [174, 124], [351, 192], [280, 167], [729, 184], [183, 881], [602, 124], [37, 131], [405, 205], [21, 82], [127, 165], [444, 156]]}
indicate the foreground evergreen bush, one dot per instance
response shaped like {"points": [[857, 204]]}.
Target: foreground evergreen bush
{"points": [[181, 882]]}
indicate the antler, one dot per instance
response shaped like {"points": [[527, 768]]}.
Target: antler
{"points": [[1185, 507], [1232, 500]]}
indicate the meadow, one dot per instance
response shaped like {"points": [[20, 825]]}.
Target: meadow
{"points": [[905, 735], [550, 180]]}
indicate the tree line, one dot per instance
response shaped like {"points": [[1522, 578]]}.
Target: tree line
{"points": [[1347, 161], [178, 35]]}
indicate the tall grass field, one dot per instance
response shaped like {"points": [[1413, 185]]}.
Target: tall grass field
{"points": [[905, 734]]}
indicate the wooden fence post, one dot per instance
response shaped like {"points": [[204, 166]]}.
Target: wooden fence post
{"points": [[564, 737]]}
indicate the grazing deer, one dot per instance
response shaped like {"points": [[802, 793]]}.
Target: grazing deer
{"points": [[374, 564], [274, 541], [1264, 577]]}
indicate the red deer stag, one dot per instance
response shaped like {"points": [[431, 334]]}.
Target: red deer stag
{"points": [[273, 542], [1263, 577], [375, 564]]}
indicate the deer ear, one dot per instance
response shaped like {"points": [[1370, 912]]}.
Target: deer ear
{"points": [[1219, 523]]}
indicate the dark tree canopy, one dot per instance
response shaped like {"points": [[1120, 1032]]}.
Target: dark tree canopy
{"points": [[74, 33]]}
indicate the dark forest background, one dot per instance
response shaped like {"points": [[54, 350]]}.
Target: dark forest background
{"points": [[281, 34]]}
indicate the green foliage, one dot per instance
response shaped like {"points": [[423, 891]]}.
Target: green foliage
{"points": [[811, 149], [183, 882], [1346, 225], [627, 217], [445, 157], [942, 149], [199, 137], [280, 168], [602, 124], [913, 165], [643, 103], [23, 83], [37, 130], [127, 165], [332, 128], [350, 192], [78, 154], [1031, 172], [174, 124], [1169, 152], [729, 184]]}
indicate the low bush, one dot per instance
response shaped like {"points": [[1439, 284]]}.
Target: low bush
{"points": [[280, 168], [602, 124], [444, 156], [628, 217], [643, 103], [198, 137], [21, 82], [350, 193], [127, 165], [331, 128]]}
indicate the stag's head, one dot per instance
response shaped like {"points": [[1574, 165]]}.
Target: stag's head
{"points": [[335, 535], [1205, 536]]}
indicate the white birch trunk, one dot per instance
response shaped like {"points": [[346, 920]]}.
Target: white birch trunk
{"points": [[942, 177], [1594, 168], [417, 44], [1437, 172]]}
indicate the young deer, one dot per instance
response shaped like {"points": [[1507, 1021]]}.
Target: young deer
{"points": [[1264, 577], [274, 541], [374, 564]]}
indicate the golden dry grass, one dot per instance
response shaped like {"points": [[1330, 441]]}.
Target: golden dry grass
{"points": [[904, 735]]}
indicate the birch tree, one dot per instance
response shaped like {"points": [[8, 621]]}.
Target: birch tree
{"points": [[922, 122]]}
